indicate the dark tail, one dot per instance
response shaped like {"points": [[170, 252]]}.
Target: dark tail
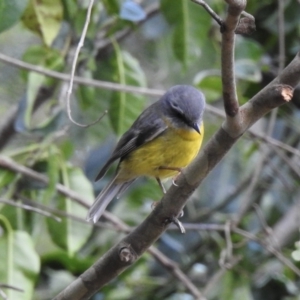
{"points": [[104, 198]]}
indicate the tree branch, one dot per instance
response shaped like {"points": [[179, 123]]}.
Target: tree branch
{"points": [[125, 88], [85, 81], [231, 105], [118, 224], [75, 59], [142, 237]]}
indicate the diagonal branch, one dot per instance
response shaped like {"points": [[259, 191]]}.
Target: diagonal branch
{"points": [[118, 224], [142, 237]]}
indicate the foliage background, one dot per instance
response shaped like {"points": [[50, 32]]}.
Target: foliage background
{"points": [[153, 44]]}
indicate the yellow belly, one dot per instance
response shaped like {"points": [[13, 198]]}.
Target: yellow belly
{"points": [[174, 148]]}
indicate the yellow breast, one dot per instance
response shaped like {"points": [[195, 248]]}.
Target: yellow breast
{"points": [[175, 148]]}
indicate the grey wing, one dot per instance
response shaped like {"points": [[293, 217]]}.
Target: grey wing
{"points": [[148, 126]]}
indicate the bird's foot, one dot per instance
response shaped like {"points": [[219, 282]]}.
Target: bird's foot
{"points": [[161, 185], [172, 169], [178, 223]]}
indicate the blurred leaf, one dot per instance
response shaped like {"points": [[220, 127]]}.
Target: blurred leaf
{"points": [[296, 253], [45, 57], [291, 15], [248, 70], [35, 81], [51, 59], [66, 149], [70, 9], [44, 18], [209, 81], [10, 12], [19, 124], [242, 291], [125, 107], [75, 264], [191, 26], [6, 177], [231, 286], [45, 120], [132, 11], [87, 94], [248, 48], [69, 234], [112, 6], [53, 166], [20, 263]]}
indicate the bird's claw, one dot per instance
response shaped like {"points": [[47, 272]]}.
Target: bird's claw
{"points": [[178, 224]]}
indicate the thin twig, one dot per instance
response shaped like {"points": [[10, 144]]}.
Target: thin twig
{"points": [[248, 197], [287, 160], [279, 174], [80, 45], [8, 286], [62, 213], [270, 248], [210, 11], [267, 229], [269, 140], [261, 218], [30, 208], [176, 272], [80, 80]]}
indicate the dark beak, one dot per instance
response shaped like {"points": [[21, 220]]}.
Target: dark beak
{"points": [[196, 127]]}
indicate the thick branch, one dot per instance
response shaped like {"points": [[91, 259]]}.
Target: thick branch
{"points": [[125, 252], [141, 238], [235, 8]]}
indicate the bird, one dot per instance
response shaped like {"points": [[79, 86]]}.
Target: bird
{"points": [[164, 139]]}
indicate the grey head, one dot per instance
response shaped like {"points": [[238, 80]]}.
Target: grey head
{"points": [[184, 106]]}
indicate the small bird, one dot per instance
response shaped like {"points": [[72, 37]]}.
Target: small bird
{"points": [[165, 138]]}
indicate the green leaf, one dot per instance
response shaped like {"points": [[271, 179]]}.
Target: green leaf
{"points": [[87, 94], [44, 18], [191, 26], [70, 9], [247, 69], [248, 48], [35, 81], [20, 263], [69, 234], [52, 172], [45, 57], [125, 107], [209, 81], [112, 6], [6, 177], [10, 12]]}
